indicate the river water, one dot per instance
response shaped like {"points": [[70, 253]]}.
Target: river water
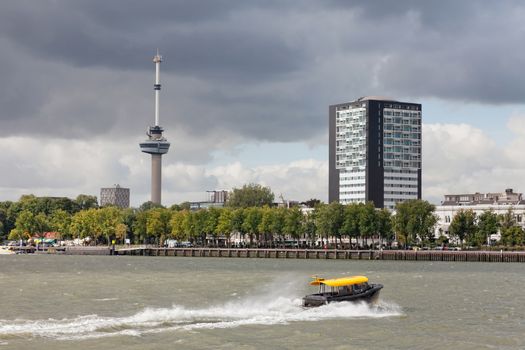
{"points": [[126, 302]]}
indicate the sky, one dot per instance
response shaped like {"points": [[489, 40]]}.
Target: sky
{"points": [[246, 87]]}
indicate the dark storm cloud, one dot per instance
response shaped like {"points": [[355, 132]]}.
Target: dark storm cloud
{"points": [[258, 70], [121, 35]]}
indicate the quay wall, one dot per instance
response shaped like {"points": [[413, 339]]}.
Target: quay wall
{"points": [[334, 254], [96, 250], [406, 255]]}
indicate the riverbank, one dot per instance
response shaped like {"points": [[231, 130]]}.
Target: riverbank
{"points": [[334, 254]]}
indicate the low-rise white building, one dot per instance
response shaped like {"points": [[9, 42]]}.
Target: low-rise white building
{"points": [[499, 203]]}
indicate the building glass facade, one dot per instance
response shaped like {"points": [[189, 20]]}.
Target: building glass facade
{"points": [[117, 196], [351, 126], [375, 152]]}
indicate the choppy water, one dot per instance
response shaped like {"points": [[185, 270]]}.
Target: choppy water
{"points": [[87, 302]]}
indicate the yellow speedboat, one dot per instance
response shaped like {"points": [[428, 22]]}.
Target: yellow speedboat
{"points": [[355, 288]]}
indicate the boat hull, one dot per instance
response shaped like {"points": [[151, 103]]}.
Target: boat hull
{"points": [[369, 296]]}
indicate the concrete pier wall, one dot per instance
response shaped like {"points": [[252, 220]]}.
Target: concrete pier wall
{"points": [[407, 255]]}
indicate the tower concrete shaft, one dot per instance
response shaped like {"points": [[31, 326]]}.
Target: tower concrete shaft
{"points": [[156, 178], [156, 144]]}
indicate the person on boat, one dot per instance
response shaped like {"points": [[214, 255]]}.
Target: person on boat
{"points": [[345, 290]]}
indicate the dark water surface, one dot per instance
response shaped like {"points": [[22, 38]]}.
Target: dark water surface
{"points": [[89, 302]]}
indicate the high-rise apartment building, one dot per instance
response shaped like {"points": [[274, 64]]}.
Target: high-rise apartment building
{"points": [[374, 151], [117, 196]]}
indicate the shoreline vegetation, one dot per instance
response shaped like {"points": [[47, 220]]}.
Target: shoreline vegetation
{"points": [[250, 219]]}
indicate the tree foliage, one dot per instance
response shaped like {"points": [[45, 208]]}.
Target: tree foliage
{"points": [[211, 221], [178, 230], [250, 195], [293, 223], [32, 224], [60, 222], [225, 223], [149, 205], [251, 223], [309, 227], [266, 226], [512, 236], [384, 225], [83, 224], [367, 220], [238, 216], [84, 202], [488, 224], [351, 226], [107, 220], [158, 224], [16, 235], [463, 225], [414, 219]]}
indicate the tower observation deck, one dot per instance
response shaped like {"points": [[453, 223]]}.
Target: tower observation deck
{"points": [[156, 144]]}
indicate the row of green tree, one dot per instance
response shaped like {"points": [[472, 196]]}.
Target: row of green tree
{"points": [[46, 206], [263, 226], [475, 230], [250, 214], [250, 195]]}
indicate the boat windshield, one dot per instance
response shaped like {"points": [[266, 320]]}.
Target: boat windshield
{"points": [[357, 288]]}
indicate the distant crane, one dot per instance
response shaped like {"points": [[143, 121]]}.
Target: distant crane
{"points": [[285, 202]]}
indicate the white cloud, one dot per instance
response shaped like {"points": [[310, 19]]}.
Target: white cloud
{"points": [[55, 167], [516, 123], [514, 150], [456, 158], [460, 158], [58, 167], [298, 180]]}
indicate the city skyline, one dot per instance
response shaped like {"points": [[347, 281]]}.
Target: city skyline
{"points": [[247, 90]]}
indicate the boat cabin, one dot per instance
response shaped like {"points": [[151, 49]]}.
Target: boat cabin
{"points": [[342, 286]]}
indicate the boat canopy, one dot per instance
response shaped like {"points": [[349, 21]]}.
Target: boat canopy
{"points": [[339, 282]]}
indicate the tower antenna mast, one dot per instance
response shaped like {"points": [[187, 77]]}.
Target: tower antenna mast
{"points": [[157, 59]]}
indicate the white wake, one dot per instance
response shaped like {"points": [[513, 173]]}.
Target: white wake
{"points": [[259, 310]]}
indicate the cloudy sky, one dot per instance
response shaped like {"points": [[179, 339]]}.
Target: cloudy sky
{"points": [[246, 89]]}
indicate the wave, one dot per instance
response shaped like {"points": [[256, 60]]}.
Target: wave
{"points": [[262, 310], [106, 299]]}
